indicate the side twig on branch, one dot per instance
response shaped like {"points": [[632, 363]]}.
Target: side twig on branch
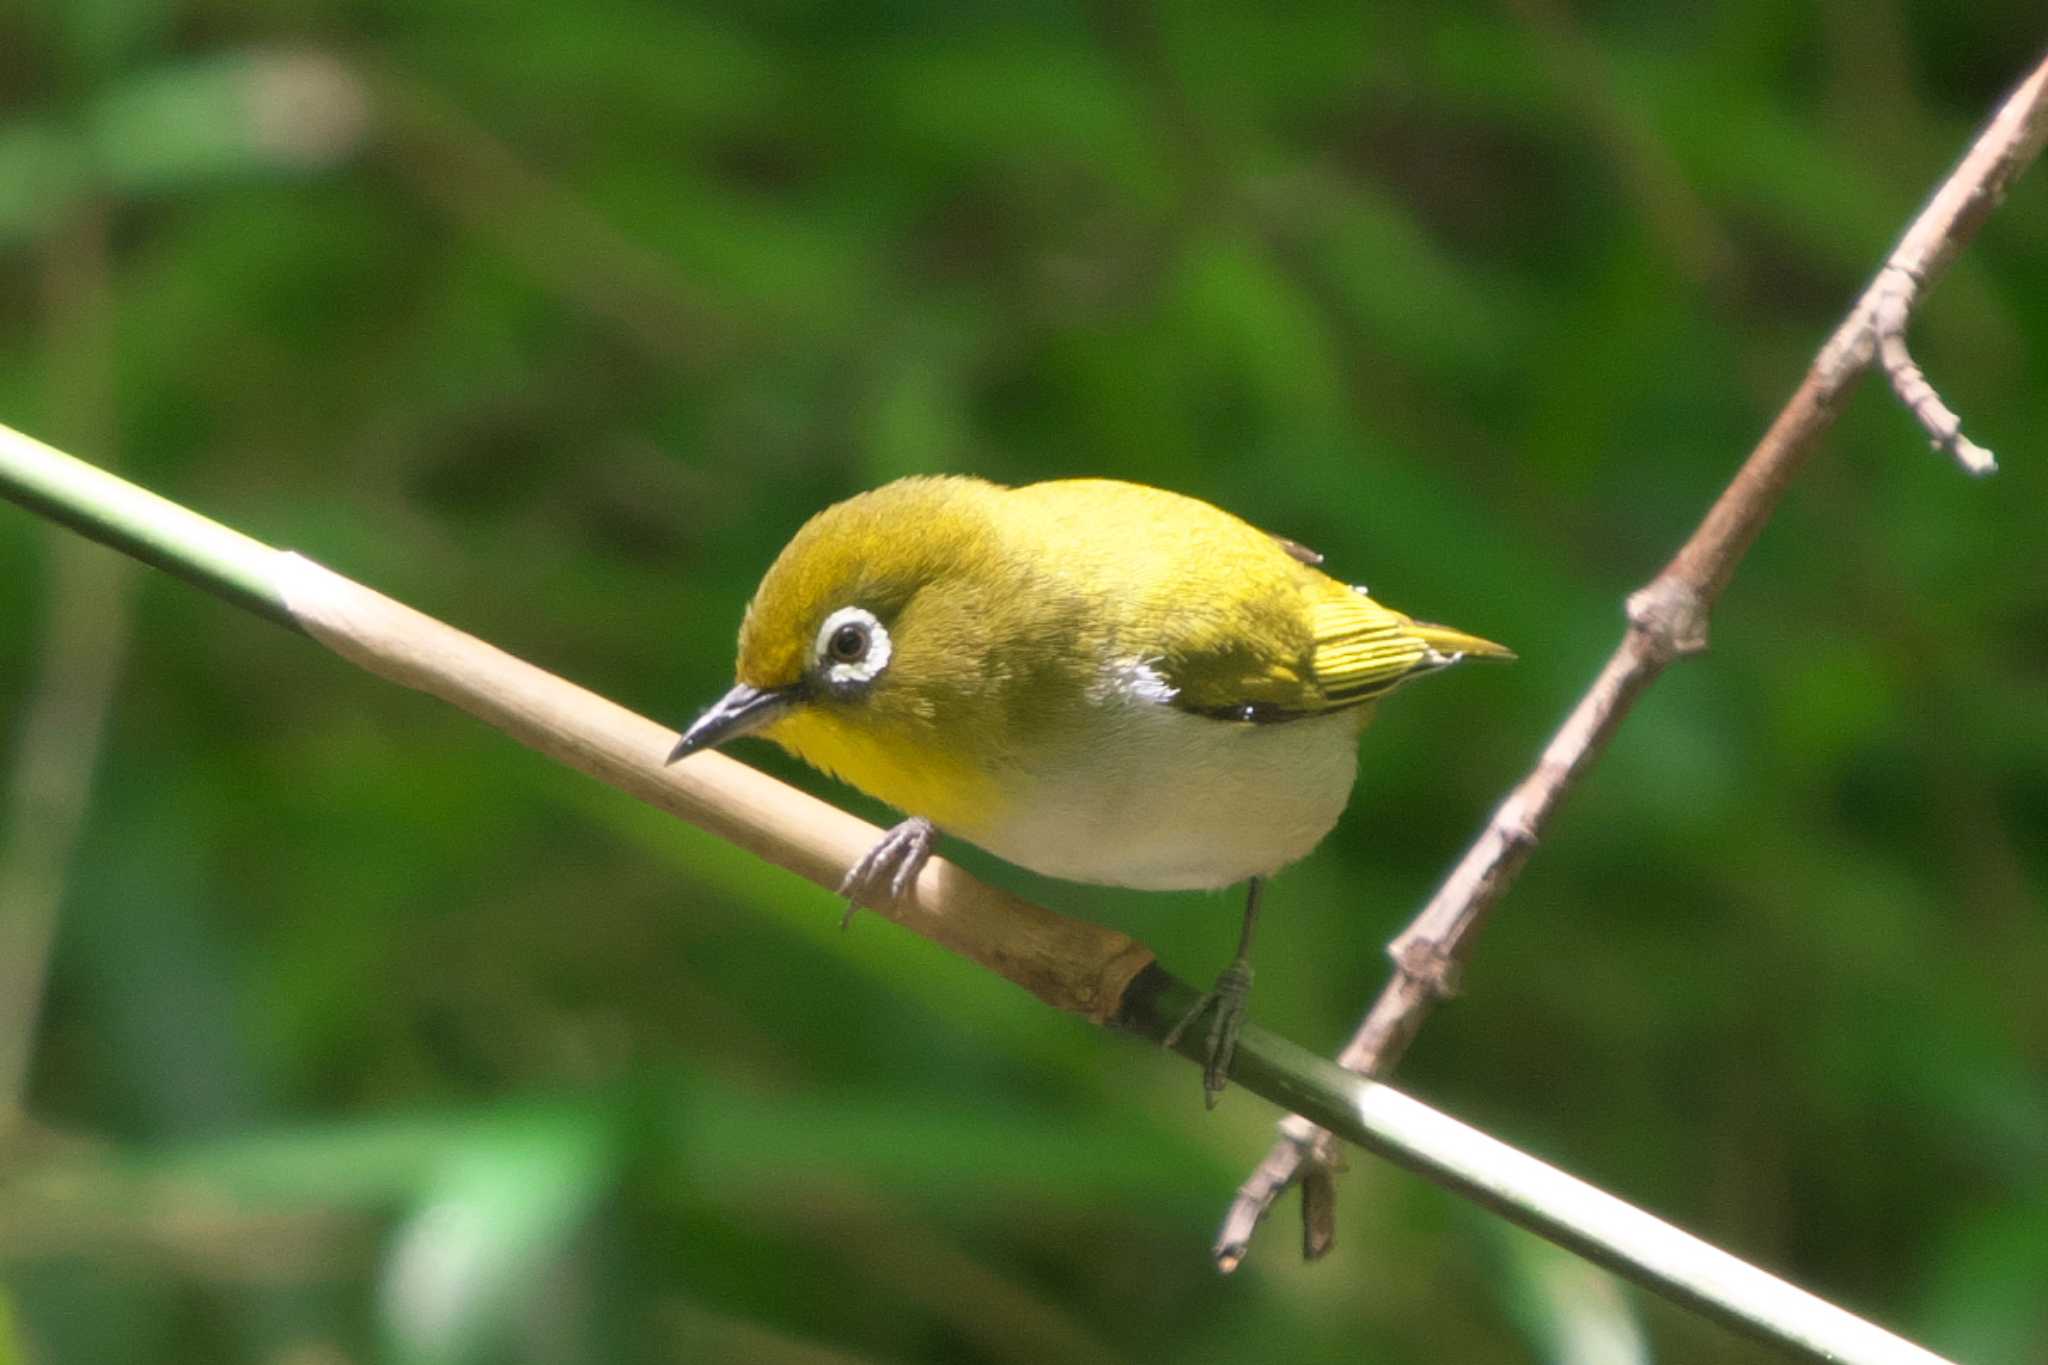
{"points": [[1667, 620]]}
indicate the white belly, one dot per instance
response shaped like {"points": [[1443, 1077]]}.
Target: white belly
{"points": [[1169, 801]]}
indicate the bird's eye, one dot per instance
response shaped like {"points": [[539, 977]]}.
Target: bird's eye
{"points": [[852, 649], [848, 643]]}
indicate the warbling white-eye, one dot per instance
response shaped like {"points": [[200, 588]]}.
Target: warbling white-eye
{"points": [[1096, 680]]}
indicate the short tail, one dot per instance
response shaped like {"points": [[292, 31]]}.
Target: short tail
{"points": [[1445, 640]]}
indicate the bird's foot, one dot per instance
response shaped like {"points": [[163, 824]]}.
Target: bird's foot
{"points": [[1226, 1003], [890, 866]]}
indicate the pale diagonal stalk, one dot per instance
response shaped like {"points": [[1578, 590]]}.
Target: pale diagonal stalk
{"points": [[84, 642], [1098, 973]]}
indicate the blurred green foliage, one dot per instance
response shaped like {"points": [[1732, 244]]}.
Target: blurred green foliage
{"points": [[368, 1036]]}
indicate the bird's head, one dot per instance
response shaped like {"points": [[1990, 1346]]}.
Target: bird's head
{"points": [[865, 645]]}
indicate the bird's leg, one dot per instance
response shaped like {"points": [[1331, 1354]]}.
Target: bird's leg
{"points": [[1227, 997], [891, 865]]}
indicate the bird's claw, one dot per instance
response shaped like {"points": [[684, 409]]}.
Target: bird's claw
{"points": [[891, 865], [1226, 1001]]}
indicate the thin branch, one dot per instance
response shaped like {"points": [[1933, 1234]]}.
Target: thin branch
{"points": [[1096, 972], [1667, 620], [566, 245], [1665, 201]]}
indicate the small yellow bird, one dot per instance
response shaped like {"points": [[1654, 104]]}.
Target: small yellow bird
{"points": [[1095, 680]]}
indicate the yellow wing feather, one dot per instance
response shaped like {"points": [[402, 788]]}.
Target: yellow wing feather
{"points": [[1361, 649], [1245, 625]]}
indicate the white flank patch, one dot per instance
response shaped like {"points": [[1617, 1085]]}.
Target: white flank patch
{"points": [[1132, 680]]}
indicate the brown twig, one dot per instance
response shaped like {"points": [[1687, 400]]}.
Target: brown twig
{"points": [[1667, 620]]}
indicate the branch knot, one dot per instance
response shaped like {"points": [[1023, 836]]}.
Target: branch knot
{"points": [[1424, 961], [1670, 616]]}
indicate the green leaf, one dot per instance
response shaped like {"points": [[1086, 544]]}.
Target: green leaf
{"points": [[465, 1267], [223, 118]]}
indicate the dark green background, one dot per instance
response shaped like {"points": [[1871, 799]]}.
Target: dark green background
{"points": [[370, 1036]]}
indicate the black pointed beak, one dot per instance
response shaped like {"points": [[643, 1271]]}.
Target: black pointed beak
{"points": [[739, 712]]}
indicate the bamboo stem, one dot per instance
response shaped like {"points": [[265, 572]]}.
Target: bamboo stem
{"points": [[1098, 973]]}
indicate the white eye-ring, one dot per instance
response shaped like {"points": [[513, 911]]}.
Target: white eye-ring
{"points": [[852, 646]]}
